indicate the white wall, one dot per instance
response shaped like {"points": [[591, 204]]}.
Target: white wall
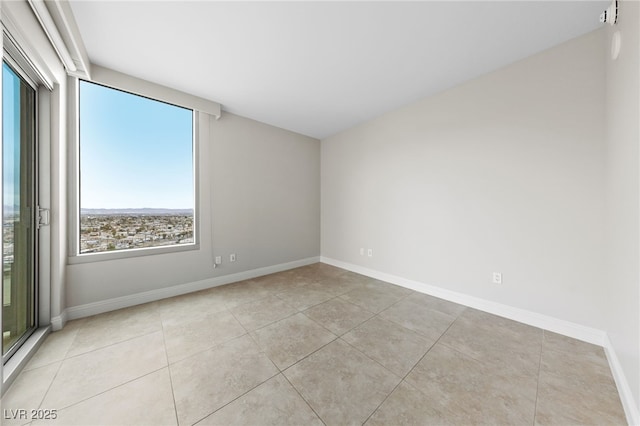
{"points": [[622, 283], [259, 190], [503, 173], [266, 193]]}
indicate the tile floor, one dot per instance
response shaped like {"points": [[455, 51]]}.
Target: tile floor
{"points": [[314, 345]]}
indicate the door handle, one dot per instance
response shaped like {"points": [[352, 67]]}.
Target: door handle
{"points": [[43, 217]]}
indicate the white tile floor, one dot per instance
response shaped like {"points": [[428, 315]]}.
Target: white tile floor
{"points": [[314, 345]]}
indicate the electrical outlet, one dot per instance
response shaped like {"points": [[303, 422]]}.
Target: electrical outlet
{"points": [[497, 278], [361, 252], [232, 257], [370, 252], [218, 260]]}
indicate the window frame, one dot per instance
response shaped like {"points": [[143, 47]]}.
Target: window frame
{"points": [[75, 257]]}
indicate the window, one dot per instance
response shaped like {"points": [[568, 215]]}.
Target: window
{"points": [[136, 172]]}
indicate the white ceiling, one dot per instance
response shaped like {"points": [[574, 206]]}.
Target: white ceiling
{"points": [[321, 67]]}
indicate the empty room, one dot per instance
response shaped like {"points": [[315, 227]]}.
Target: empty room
{"points": [[338, 213]]}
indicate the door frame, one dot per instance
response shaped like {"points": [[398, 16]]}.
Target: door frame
{"points": [[51, 140], [23, 74]]}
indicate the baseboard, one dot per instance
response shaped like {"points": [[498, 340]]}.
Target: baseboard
{"points": [[630, 406], [545, 322], [102, 306], [58, 322]]}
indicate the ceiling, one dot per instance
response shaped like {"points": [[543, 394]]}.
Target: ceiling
{"points": [[318, 68]]}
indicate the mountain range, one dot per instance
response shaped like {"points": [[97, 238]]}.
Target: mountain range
{"points": [[142, 211]]}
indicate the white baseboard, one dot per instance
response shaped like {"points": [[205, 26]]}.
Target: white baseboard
{"points": [[58, 322], [626, 397], [89, 309], [545, 322]]}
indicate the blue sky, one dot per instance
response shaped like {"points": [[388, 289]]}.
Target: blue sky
{"points": [[134, 152], [10, 129]]}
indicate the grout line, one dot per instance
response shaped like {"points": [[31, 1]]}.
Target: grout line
{"points": [[65, 358], [355, 304], [470, 356], [273, 322], [320, 325], [263, 352], [490, 329], [75, 335], [276, 321], [114, 343], [246, 331], [50, 384], [166, 355], [411, 292], [155, 310], [303, 398], [310, 306], [215, 346], [112, 388], [309, 354], [377, 315], [409, 372], [338, 335], [236, 398], [260, 349], [344, 341], [28, 367], [257, 299], [535, 406], [368, 357], [300, 360]]}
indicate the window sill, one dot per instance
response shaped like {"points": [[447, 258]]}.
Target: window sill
{"points": [[130, 253]]}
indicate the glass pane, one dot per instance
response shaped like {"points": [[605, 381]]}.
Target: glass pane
{"points": [[136, 171], [18, 234]]}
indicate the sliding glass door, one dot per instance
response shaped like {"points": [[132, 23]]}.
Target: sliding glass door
{"points": [[19, 210]]}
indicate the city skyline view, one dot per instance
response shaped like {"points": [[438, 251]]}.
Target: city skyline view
{"points": [[109, 232]]}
